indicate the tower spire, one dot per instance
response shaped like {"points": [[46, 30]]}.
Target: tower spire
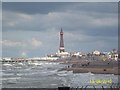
{"points": [[61, 30], [62, 49]]}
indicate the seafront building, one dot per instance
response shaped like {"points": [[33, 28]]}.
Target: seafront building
{"points": [[96, 52], [113, 54]]}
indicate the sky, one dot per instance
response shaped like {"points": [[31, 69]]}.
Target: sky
{"points": [[60, 0], [0, 29], [31, 29]]}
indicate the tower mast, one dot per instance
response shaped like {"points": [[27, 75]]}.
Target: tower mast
{"points": [[61, 49]]}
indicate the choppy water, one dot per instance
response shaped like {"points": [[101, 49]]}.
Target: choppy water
{"points": [[46, 75]]}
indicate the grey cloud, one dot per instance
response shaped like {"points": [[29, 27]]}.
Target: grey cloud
{"points": [[46, 7], [61, 1], [82, 22], [33, 7]]}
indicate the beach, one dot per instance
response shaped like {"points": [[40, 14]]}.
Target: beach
{"points": [[83, 65]]}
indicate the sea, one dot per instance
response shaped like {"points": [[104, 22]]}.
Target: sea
{"points": [[45, 74]]}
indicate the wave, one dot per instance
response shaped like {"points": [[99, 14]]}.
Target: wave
{"points": [[6, 64], [64, 73]]}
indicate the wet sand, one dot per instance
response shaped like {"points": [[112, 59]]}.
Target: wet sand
{"points": [[97, 70], [93, 66]]}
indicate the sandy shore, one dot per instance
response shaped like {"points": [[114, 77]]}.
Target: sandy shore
{"points": [[96, 67], [95, 70]]}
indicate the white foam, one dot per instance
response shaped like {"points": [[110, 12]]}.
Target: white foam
{"points": [[6, 64]]}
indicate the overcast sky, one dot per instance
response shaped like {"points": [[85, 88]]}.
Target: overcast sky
{"points": [[32, 29], [60, 0]]}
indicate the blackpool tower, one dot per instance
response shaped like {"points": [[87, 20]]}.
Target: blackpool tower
{"points": [[61, 49]]}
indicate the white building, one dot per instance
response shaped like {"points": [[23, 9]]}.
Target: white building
{"points": [[96, 52], [62, 54], [78, 54]]}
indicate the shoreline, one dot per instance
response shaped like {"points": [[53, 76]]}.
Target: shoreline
{"points": [[94, 70], [95, 67]]}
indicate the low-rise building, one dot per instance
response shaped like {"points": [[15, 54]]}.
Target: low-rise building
{"points": [[96, 52]]}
